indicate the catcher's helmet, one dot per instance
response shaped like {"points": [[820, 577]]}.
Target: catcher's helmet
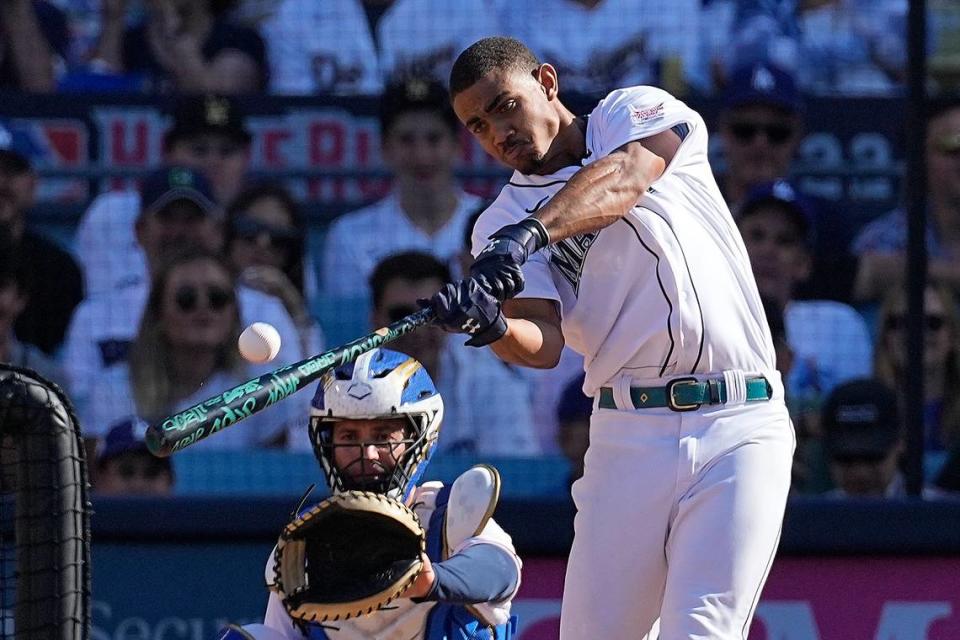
{"points": [[381, 384]]}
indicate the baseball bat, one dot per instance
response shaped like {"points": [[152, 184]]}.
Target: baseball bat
{"points": [[181, 430]]}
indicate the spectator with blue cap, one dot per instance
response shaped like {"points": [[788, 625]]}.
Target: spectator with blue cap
{"points": [[126, 467], [760, 124], [830, 340]]}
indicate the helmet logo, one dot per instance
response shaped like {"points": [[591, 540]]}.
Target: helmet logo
{"points": [[359, 390]]}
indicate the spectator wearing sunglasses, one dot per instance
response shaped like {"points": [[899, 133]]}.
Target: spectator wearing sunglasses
{"points": [[489, 404], [185, 351], [208, 134], [882, 244], [761, 125], [863, 441], [178, 213], [265, 243], [125, 467], [425, 211], [941, 359]]}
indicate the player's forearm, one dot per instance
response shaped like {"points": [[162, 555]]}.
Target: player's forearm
{"points": [[480, 573], [601, 193], [530, 343]]}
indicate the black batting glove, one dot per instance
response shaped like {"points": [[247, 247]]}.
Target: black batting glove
{"points": [[497, 267], [465, 307]]}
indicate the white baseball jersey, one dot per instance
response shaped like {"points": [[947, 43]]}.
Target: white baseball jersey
{"points": [[424, 37], [403, 619], [666, 291], [615, 43], [358, 241], [321, 47], [103, 327]]}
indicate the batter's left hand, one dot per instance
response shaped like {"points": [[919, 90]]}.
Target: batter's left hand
{"points": [[466, 307], [498, 266]]}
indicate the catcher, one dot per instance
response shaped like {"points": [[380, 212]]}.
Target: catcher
{"points": [[374, 426]]}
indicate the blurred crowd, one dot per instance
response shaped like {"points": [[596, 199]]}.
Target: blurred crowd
{"points": [[353, 47], [139, 315]]}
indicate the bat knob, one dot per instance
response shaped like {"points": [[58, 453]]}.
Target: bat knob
{"points": [[155, 441]]}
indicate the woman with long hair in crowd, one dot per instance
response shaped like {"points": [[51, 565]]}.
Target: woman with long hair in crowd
{"points": [[941, 359]]}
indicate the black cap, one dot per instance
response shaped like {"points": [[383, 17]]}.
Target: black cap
{"points": [[860, 418], [195, 115], [764, 84], [415, 94], [171, 184]]}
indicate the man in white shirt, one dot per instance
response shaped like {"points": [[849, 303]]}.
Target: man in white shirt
{"points": [[208, 134], [491, 403], [616, 237], [178, 210], [425, 211]]}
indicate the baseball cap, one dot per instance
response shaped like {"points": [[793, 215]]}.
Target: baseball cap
{"points": [[124, 436], [860, 418], [171, 184], [762, 84], [415, 94], [194, 115], [786, 197]]}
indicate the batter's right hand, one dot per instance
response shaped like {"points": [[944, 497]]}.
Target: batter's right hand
{"points": [[466, 307]]}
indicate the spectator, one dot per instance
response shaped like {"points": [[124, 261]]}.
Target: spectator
{"points": [[14, 288], [184, 352], [882, 244], [863, 441], [489, 403], [599, 45], [125, 467], [941, 360], [850, 47], [265, 244], [425, 211], [178, 212], [321, 47], [422, 38], [209, 135], [33, 45], [185, 46], [830, 339], [761, 125], [573, 418], [55, 286]]}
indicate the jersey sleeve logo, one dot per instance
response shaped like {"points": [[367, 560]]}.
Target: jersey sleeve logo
{"points": [[642, 116]]}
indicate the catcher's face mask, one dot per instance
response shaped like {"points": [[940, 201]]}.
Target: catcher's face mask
{"points": [[384, 388]]}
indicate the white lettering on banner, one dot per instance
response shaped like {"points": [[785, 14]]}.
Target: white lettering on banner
{"points": [[169, 628], [910, 620], [788, 620]]}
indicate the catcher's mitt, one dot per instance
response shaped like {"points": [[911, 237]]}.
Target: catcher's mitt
{"points": [[348, 556]]}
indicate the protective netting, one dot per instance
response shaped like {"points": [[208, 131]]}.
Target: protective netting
{"points": [[44, 513]]}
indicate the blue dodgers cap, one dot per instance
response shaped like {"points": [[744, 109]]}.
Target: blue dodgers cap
{"points": [[764, 84], [784, 195], [122, 437], [171, 184]]}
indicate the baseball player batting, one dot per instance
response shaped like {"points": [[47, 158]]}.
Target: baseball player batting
{"points": [[612, 236]]}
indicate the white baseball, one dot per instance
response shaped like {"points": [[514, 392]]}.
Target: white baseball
{"points": [[259, 343]]}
